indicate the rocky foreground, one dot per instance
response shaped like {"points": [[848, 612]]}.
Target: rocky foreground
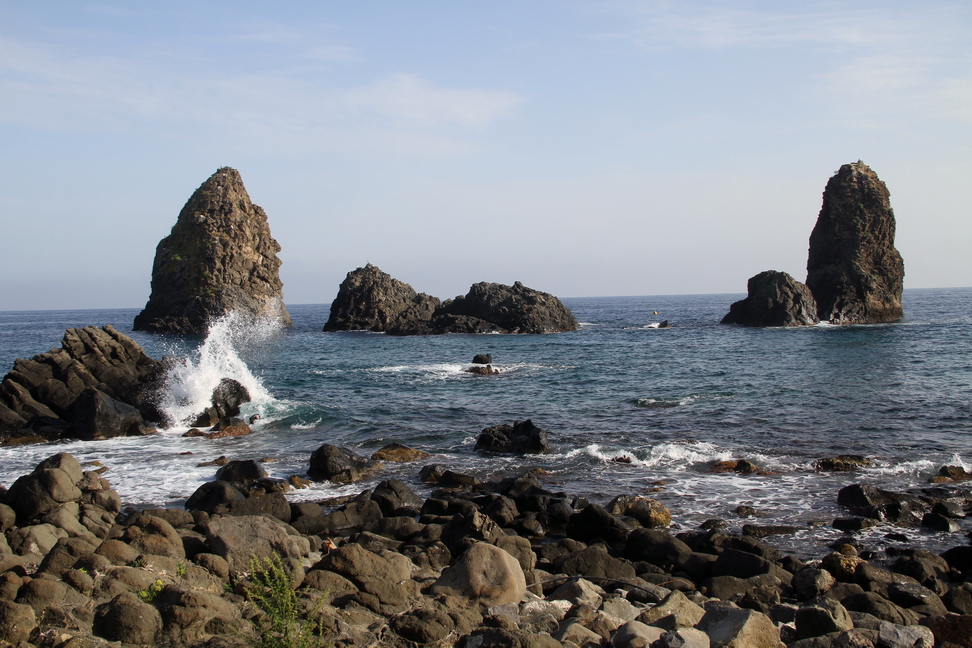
{"points": [[505, 563]]}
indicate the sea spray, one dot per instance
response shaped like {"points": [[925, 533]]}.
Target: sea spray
{"points": [[191, 383]]}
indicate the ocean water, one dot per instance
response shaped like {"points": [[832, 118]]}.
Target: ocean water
{"points": [[672, 401]]}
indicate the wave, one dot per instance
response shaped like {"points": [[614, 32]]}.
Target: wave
{"points": [[190, 383]]}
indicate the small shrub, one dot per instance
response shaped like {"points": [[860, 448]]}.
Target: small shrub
{"points": [[181, 570], [153, 591], [272, 591]]}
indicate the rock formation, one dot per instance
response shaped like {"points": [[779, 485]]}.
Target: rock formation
{"points": [[853, 270], [775, 299], [99, 384], [372, 300], [220, 257]]}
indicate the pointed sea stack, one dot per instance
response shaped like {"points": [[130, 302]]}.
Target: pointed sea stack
{"points": [[853, 270], [774, 299], [220, 257], [372, 300]]}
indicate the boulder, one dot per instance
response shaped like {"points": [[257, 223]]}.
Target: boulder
{"points": [[774, 299], [243, 471], [730, 627], [379, 574], [484, 573], [398, 453], [372, 300], [853, 270], [483, 358], [339, 465], [219, 258], [523, 437], [84, 389], [238, 539], [16, 622], [127, 619]]}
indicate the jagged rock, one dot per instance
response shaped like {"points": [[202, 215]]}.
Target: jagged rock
{"points": [[516, 309], [523, 437], [82, 390], [853, 270], [334, 464], [372, 300], [774, 299], [219, 257]]}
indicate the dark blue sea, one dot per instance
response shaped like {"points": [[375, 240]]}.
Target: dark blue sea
{"points": [[672, 401]]}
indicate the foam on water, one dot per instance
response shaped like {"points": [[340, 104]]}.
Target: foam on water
{"points": [[191, 384]]}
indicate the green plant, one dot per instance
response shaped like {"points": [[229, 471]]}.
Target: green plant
{"points": [[271, 590], [181, 570], [153, 591], [138, 563]]}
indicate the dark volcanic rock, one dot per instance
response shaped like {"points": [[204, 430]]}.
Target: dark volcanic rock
{"points": [[99, 384], [775, 299], [338, 465], [515, 308], [853, 270], [372, 300], [523, 437], [220, 257]]}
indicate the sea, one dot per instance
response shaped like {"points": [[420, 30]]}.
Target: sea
{"points": [[630, 408]]}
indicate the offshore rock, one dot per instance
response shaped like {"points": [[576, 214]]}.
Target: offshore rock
{"points": [[99, 384], [515, 309], [523, 437], [219, 257], [372, 300], [775, 299], [853, 270]]}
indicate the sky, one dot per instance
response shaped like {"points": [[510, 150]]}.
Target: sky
{"points": [[585, 148]]}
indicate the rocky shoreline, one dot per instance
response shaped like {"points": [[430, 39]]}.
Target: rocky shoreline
{"points": [[504, 563]]}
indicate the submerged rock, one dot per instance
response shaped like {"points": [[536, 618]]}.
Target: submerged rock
{"points": [[853, 270], [774, 299], [219, 257]]}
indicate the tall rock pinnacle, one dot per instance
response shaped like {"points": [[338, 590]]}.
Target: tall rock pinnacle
{"points": [[219, 257], [853, 270]]}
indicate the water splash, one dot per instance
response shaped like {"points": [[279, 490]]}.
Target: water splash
{"points": [[191, 384]]}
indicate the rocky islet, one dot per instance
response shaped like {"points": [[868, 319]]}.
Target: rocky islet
{"points": [[855, 275]]}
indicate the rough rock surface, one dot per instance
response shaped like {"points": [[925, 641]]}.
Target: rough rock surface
{"points": [[774, 299], [219, 257], [485, 564], [372, 300], [99, 384], [853, 270]]}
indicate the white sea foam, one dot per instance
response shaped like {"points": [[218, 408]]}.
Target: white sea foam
{"points": [[190, 384]]}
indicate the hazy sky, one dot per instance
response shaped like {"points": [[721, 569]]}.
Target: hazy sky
{"points": [[584, 148]]}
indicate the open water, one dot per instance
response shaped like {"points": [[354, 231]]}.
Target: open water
{"points": [[672, 401]]}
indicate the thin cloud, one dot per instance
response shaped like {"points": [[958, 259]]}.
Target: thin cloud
{"points": [[48, 88]]}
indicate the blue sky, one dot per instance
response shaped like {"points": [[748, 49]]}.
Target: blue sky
{"points": [[583, 148]]}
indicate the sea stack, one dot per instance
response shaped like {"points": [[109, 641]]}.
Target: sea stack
{"points": [[372, 300], [854, 271], [774, 299], [219, 257]]}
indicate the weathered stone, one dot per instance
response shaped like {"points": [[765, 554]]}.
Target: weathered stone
{"points": [[853, 270], [380, 574], [339, 465], [16, 622], [398, 453], [151, 535], [593, 521], [372, 300], [774, 299], [651, 514], [523, 437], [822, 616], [730, 627], [238, 539], [127, 619], [673, 611], [486, 574], [220, 257]]}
